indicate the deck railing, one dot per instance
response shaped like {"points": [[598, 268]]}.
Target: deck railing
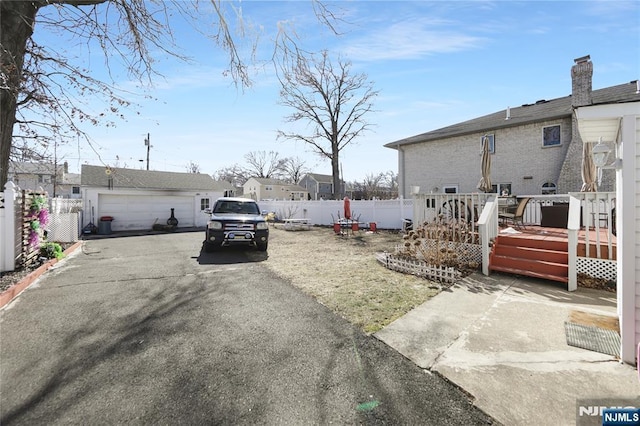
{"points": [[462, 207], [534, 211], [428, 207], [590, 216], [595, 214]]}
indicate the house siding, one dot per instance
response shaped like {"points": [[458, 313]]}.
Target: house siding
{"points": [[271, 189], [519, 159], [636, 228], [317, 189]]}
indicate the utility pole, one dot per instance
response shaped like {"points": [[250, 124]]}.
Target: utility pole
{"points": [[147, 142]]}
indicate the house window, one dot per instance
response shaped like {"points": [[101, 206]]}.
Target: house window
{"points": [[204, 203], [268, 188], [504, 189], [548, 188], [75, 190], [492, 143], [551, 135], [450, 189]]}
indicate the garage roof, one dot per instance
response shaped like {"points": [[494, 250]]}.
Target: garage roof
{"points": [[149, 179]]}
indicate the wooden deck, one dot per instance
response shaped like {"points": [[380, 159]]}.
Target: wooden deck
{"points": [[543, 252], [534, 232]]}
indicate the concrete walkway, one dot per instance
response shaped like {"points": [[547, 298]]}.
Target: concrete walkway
{"points": [[502, 339]]}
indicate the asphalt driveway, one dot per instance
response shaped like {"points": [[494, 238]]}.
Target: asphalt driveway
{"points": [[150, 330]]}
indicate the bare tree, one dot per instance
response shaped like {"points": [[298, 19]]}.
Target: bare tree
{"points": [[331, 99], [391, 182], [263, 164], [49, 85], [235, 175], [372, 184], [294, 169], [382, 185], [193, 167]]}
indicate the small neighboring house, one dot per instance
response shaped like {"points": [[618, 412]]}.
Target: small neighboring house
{"points": [[138, 199], [69, 186], [273, 189], [319, 187], [56, 181], [33, 176], [536, 148]]}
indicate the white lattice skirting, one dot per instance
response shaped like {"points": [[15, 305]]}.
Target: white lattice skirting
{"points": [[597, 268], [418, 268], [467, 253]]}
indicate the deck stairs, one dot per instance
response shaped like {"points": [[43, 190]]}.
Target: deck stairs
{"points": [[546, 259]]}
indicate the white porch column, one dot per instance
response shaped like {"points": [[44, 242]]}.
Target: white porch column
{"points": [[628, 282]]}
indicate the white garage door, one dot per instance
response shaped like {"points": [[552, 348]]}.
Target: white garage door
{"points": [[132, 212]]}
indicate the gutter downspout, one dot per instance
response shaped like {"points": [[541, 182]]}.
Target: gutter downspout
{"points": [[401, 173]]}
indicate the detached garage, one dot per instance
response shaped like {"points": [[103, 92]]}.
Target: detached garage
{"points": [[138, 199]]}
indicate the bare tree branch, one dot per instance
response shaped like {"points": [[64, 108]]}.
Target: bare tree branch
{"points": [[132, 32]]}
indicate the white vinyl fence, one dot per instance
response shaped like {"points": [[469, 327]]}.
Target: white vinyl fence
{"points": [[64, 220], [10, 236], [386, 214], [63, 227]]}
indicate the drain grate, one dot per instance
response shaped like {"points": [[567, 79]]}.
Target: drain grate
{"points": [[593, 338]]}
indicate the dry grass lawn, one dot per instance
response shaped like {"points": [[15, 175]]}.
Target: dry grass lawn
{"points": [[342, 273]]}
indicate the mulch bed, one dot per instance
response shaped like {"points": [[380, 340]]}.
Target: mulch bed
{"points": [[586, 281], [11, 278]]}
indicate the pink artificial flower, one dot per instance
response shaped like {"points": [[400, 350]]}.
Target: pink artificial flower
{"points": [[43, 217], [34, 239]]}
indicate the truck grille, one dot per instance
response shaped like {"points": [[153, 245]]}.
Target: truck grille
{"points": [[238, 227]]}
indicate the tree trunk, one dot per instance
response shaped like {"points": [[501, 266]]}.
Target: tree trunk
{"points": [[335, 169], [16, 26]]}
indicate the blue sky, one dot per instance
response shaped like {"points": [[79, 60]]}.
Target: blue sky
{"points": [[434, 64]]}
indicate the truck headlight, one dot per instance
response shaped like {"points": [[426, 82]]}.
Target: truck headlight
{"points": [[262, 225], [214, 225]]}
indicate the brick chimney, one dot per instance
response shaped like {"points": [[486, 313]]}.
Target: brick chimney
{"points": [[581, 81], [570, 178]]}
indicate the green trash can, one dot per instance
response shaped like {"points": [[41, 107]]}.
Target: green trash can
{"points": [[104, 225]]}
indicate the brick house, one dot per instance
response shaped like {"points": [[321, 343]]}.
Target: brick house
{"points": [[536, 148]]}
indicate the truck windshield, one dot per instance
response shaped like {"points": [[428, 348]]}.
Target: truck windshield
{"points": [[236, 207]]}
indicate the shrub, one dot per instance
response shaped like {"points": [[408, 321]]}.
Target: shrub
{"points": [[51, 250]]}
